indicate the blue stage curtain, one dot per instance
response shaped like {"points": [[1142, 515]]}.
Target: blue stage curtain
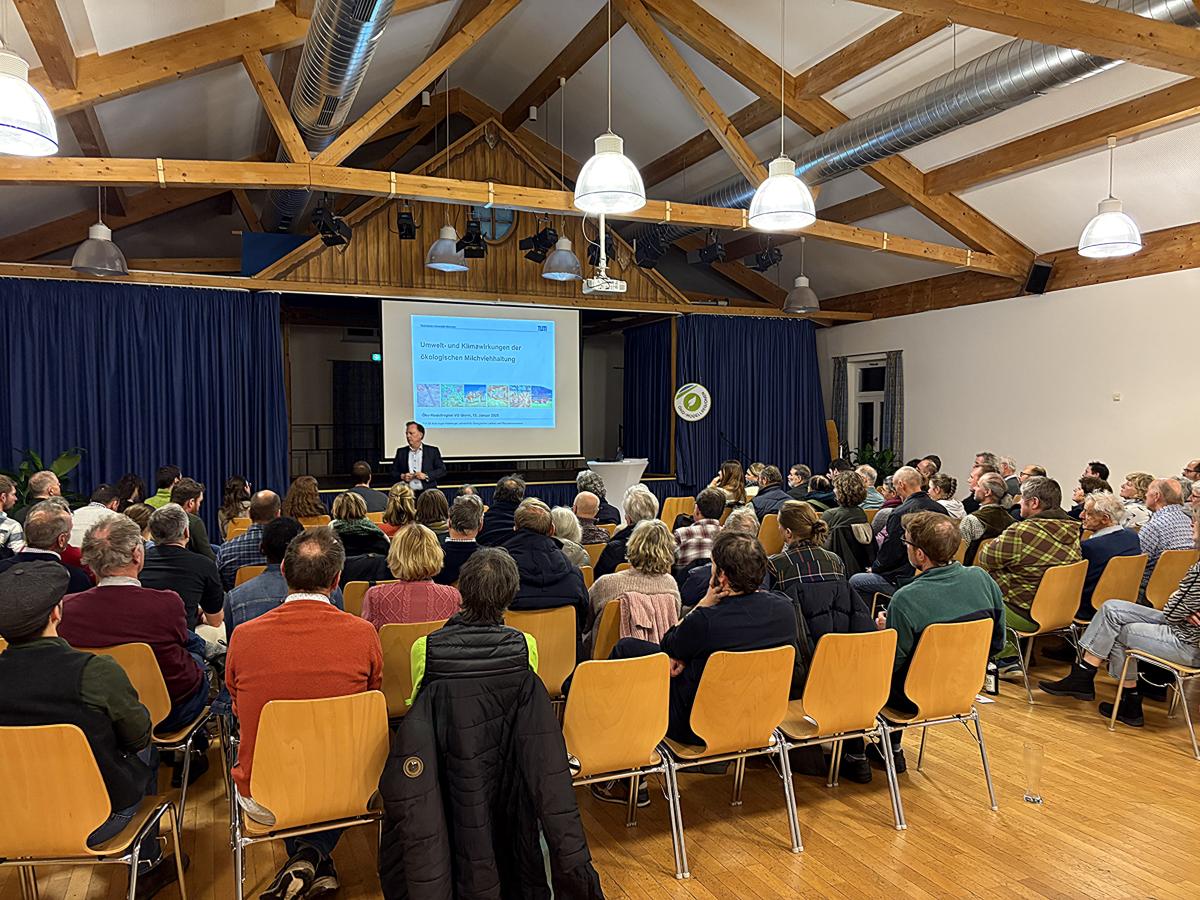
{"points": [[647, 395], [140, 376], [766, 393]]}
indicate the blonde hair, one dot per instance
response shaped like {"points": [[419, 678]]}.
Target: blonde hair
{"points": [[1141, 483], [349, 506], [415, 554], [401, 506], [651, 547]]}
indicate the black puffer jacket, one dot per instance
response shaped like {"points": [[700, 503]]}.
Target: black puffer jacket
{"points": [[476, 767], [548, 579], [826, 606]]}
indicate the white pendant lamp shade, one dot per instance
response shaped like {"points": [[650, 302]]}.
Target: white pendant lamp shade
{"points": [[801, 298], [562, 264], [1110, 233], [443, 254], [783, 202], [609, 182], [26, 123], [98, 255]]}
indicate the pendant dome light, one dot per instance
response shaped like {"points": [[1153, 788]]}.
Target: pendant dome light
{"points": [[801, 299], [1111, 232], [562, 264], [444, 255], [609, 182], [26, 124], [782, 202], [98, 255]]}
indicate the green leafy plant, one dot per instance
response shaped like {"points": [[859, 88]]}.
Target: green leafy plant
{"points": [[882, 461], [31, 462]]}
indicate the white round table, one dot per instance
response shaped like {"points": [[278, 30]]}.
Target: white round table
{"points": [[618, 476]]}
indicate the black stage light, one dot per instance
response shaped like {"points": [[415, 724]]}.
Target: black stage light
{"points": [[649, 248], [766, 258], [610, 251], [539, 245], [713, 251], [406, 226], [472, 244], [332, 228]]}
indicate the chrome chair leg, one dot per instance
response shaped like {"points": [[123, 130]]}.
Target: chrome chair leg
{"points": [[889, 764], [631, 803], [789, 793], [176, 838], [987, 771], [921, 751], [739, 775], [1187, 715], [675, 814], [1112, 721], [1016, 639], [134, 855]]}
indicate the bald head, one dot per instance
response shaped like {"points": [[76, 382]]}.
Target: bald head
{"points": [[907, 481], [1163, 492], [264, 506], [587, 505]]}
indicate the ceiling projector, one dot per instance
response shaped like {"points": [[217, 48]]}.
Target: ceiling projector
{"points": [[602, 284]]}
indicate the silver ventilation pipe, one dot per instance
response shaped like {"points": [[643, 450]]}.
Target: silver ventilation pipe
{"points": [[1008, 76], [342, 37]]}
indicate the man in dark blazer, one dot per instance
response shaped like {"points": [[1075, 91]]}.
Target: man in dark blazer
{"points": [[419, 465]]}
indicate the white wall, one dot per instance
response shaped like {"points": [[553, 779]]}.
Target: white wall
{"points": [[602, 389], [1034, 377]]}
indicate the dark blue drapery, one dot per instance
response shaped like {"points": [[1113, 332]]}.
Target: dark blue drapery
{"points": [[140, 376], [647, 395]]}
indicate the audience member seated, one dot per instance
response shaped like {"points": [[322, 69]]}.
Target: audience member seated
{"points": [[548, 580], [1169, 528], [466, 517], [170, 566], [415, 558], [694, 542], [593, 482], [165, 478], [1045, 537], [235, 502], [1172, 634], [1133, 497], [498, 520], [189, 494], [401, 509], [467, 490], [376, 501], [303, 499], [131, 489], [1096, 469], [989, 519], [141, 513], [734, 615], [970, 504], [797, 481], [568, 534], [928, 466], [697, 578], [850, 492], [1102, 512], [88, 691], [1194, 500], [942, 488], [104, 501], [891, 567], [837, 466], [47, 531], [305, 649], [651, 550], [731, 481], [639, 504], [357, 533], [1008, 471], [12, 536], [1030, 472], [946, 591], [891, 500], [1191, 471], [433, 511], [804, 557], [245, 549], [1088, 484], [820, 493], [585, 508], [873, 499], [751, 479], [42, 486], [771, 494]]}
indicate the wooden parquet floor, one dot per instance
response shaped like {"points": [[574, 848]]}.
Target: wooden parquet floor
{"points": [[1121, 818]]}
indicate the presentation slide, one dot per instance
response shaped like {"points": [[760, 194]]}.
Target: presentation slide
{"points": [[487, 381]]}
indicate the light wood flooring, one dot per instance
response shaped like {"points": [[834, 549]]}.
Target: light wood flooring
{"points": [[1121, 818]]}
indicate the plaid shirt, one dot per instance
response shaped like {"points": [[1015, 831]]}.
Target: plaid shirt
{"points": [[695, 541], [12, 535], [1018, 558], [1169, 528], [241, 551], [804, 563]]}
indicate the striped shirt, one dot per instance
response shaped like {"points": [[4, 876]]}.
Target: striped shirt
{"points": [[1183, 603], [12, 535]]}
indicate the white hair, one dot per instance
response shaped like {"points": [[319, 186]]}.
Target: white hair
{"points": [[1107, 504], [867, 474], [910, 476], [743, 518], [1008, 461], [639, 504], [566, 526]]}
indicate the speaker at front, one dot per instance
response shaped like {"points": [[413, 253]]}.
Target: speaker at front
{"points": [[1039, 277]]}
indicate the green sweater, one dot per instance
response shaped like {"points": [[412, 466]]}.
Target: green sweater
{"points": [[950, 593], [161, 499]]}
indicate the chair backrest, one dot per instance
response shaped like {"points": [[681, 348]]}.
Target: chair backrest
{"points": [[141, 667], [319, 760], [235, 531], [849, 680], [353, 593], [676, 506], [594, 551], [245, 573], [742, 698], [621, 567], [397, 641], [314, 521], [376, 517], [1120, 580], [1057, 599], [947, 667], [870, 515], [607, 630], [603, 730], [242, 523], [3, 645], [960, 555], [54, 796], [769, 534], [554, 631], [609, 527], [725, 514], [589, 575], [1172, 565]]}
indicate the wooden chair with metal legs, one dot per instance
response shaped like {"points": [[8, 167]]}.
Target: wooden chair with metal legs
{"points": [[769, 534], [397, 641], [237, 525], [353, 593], [609, 738], [1182, 675], [593, 551], [1054, 607], [141, 666], [557, 640], [848, 684], [54, 798], [943, 678], [609, 527], [1120, 580], [607, 630], [245, 573], [314, 521], [316, 767], [676, 506], [960, 555], [740, 702], [589, 576], [1169, 570]]}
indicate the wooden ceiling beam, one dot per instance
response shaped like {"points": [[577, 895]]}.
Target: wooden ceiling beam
{"points": [[274, 106], [892, 37], [85, 125], [1074, 24], [265, 136], [746, 120], [550, 156], [246, 208], [586, 44], [217, 264], [398, 97], [48, 33], [845, 213], [1157, 109]]}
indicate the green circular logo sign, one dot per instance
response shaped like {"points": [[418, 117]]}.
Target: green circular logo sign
{"points": [[692, 402]]}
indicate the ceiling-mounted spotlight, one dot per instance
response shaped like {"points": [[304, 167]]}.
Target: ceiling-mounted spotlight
{"points": [[331, 227], [471, 244], [539, 245], [713, 250], [562, 264], [98, 255], [610, 250], [766, 258], [406, 226], [650, 247]]}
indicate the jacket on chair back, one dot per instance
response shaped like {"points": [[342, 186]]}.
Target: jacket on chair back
{"points": [[476, 768]]}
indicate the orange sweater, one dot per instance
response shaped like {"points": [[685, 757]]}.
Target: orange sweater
{"points": [[302, 650]]}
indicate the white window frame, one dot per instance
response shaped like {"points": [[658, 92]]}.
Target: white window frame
{"points": [[855, 368]]}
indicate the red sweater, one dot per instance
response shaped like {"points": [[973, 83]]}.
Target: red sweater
{"points": [[302, 650]]}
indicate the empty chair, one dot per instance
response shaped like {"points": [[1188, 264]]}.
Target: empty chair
{"points": [[1172, 565], [245, 573], [1054, 607], [554, 631], [769, 534], [397, 641], [1120, 580]]}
